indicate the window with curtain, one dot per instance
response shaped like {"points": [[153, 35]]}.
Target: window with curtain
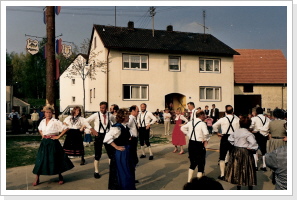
{"points": [[209, 65], [135, 92], [138, 62], [210, 93]]}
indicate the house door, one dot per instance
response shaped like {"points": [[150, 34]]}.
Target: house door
{"points": [[243, 104], [174, 101]]}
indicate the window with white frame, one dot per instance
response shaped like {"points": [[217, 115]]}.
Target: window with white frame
{"points": [[139, 62], [174, 63], [209, 65], [135, 92], [210, 93]]}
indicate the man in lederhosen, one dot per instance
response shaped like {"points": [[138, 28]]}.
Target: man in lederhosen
{"points": [[102, 124], [258, 122], [133, 128], [228, 124], [145, 119], [198, 135]]}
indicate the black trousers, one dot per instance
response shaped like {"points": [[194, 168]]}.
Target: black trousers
{"points": [[98, 146], [197, 153], [133, 145], [225, 146], [144, 136], [262, 141]]}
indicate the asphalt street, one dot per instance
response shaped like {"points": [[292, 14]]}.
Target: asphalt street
{"points": [[167, 171]]}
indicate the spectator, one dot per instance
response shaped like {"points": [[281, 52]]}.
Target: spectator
{"points": [[34, 118], [24, 124], [167, 118], [208, 122], [14, 117], [203, 183]]}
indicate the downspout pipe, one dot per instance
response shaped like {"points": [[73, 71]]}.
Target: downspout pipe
{"points": [[107, 75]]}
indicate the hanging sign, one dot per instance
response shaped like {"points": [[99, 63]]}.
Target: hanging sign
{"points": [[66, 50], [32, 46]]}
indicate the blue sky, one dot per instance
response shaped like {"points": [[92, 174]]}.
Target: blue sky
{"points": [[240, 27]]}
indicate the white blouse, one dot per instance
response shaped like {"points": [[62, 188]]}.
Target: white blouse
{"points": [[112, 134], [181, 117], [53, 127], [78, 124]]}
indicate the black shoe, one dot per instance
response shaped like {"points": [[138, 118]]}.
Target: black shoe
{"points": [[82, 162], [142, 156], [263, 169], [256, 168], [136, 181], [97, 175], [221, 178], [151, 157]]}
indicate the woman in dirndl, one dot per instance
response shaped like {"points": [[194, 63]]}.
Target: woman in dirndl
{"points": [[51, 159], [122, 162], [74, 126], [241, 169], [178, 137]]}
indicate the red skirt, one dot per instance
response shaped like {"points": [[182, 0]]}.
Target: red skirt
{"points": [[178, 137]]}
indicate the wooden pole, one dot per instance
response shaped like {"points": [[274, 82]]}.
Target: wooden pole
{"points": [[50, 58]]}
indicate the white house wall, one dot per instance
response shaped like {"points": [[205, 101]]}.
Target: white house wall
{"points": [[69, 90], [161, 81], [100, 83]]}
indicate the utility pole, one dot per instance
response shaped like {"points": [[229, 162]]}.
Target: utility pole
{"points": [[50, 59], [115, 16], [152, 13]]}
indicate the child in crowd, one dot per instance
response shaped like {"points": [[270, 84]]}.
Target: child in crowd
{"points": [[87, 137]]}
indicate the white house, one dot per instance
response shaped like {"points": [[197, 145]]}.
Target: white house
{"points": [[167, 68]]}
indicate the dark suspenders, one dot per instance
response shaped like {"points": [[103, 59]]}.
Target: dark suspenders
{"points": [[262, 120], [230, 125], [101, 125], [193, 131], [143, 119]]}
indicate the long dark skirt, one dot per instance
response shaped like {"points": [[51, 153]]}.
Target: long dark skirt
{"points": [[122, 171], [51, 158], [241, 168], [73, 144]]}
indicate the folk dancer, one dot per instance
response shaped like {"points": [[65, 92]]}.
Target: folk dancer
{"points": [[198, 139], [258, 122], [192, 110], [145, 120], [102, 124], [228, 125]]}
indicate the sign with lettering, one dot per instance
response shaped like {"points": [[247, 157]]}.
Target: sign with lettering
{"points": [[32, 46], [66, 50]]}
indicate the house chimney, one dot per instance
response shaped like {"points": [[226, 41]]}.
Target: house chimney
{"points": [[170, 28], [130, 25]]}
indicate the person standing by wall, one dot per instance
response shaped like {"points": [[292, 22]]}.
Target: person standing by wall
{"points": [[167, 117], [145, 120]]}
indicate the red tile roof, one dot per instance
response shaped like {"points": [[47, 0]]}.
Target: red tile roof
{"points": [[260, 66]]}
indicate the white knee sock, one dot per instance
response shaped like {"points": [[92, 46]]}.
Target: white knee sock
{"points": [[256, 159], [199, 174], [222, 167], [142, 150], [96, 165], [150, 150], [263, 158], [190, 174]]}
